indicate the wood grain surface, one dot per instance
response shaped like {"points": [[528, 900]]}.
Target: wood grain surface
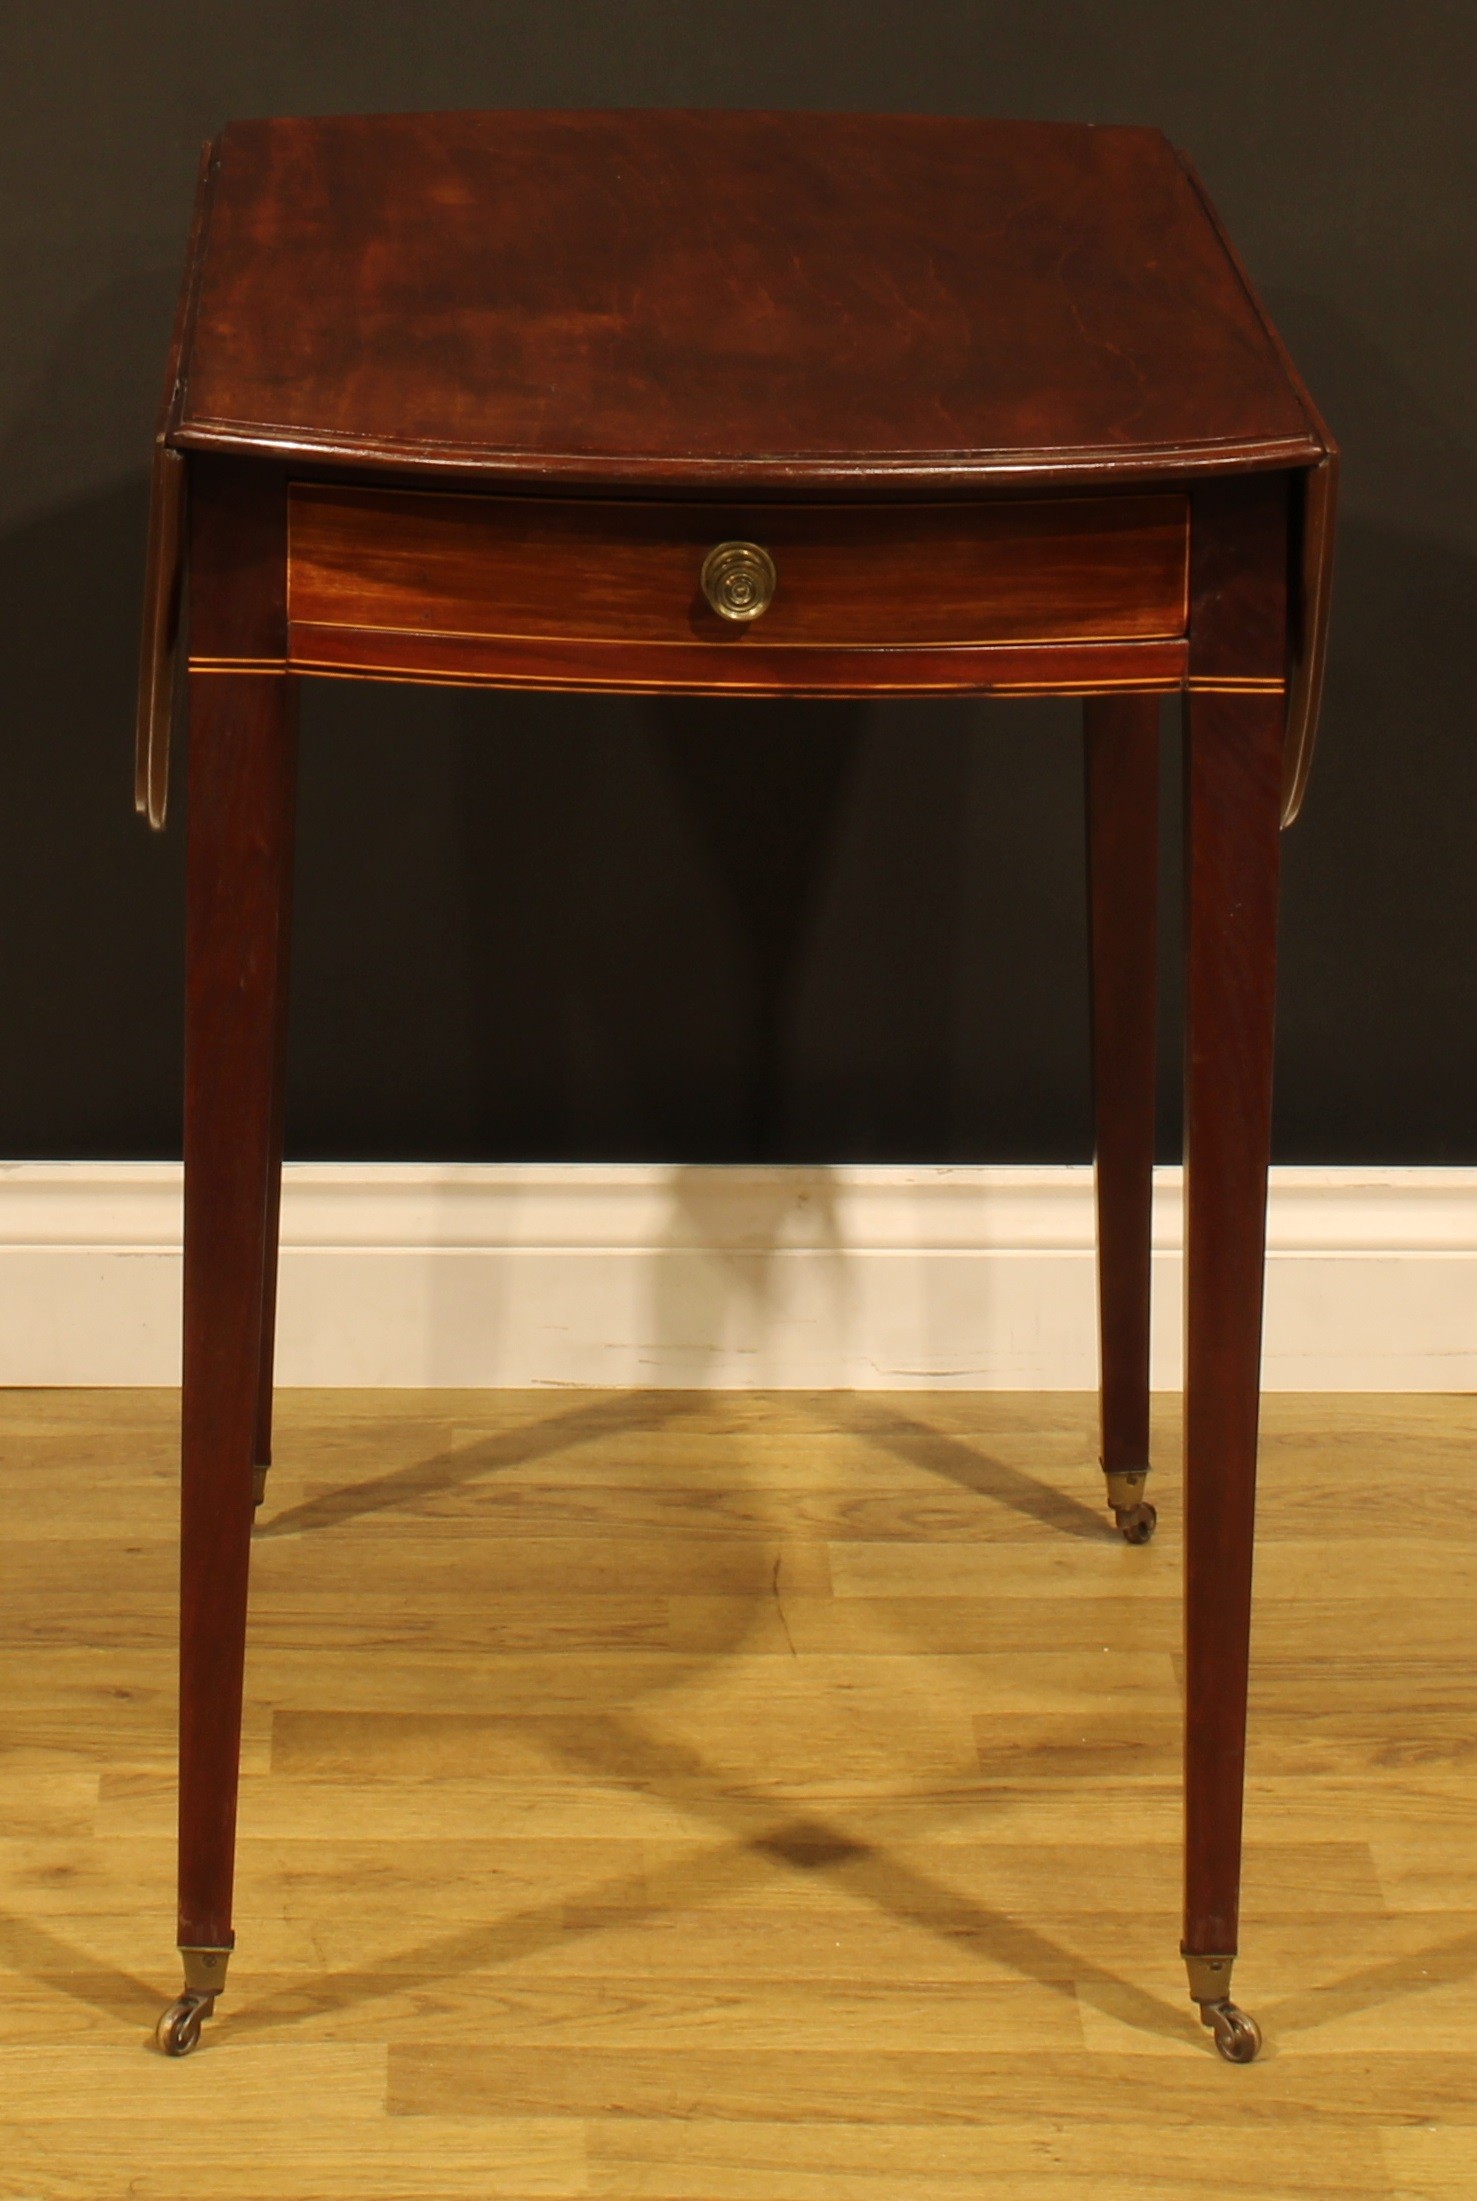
{"points": [[752, 669], [1121, 758], [869, 597], [728, 304], [602, 569], [243, 745], [747, 1797], [673, 298]]}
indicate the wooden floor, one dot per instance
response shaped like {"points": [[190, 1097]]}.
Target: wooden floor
{"points": [[736, 1798]]}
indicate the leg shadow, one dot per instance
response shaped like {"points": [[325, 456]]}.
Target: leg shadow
{"points": [[939, 1453], [603, 1417], [622, 1754], [48, 1961]]}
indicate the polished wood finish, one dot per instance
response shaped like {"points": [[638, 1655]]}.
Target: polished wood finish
{"points": [[165, 559], [704, 668], [470, 398], [1012, 597], [747, 1796], [1233, 775], [725, 304], [1122, 756], [694, 299], [1313, 506], [1233, 779], [1315, 496], [876, 578], [240, 790], [238, 897], [283, 838]]}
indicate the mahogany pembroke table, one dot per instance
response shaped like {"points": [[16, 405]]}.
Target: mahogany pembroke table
{"points": [[743, 404]]}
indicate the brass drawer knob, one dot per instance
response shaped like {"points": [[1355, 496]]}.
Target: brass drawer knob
{"points": [[739, 580]]}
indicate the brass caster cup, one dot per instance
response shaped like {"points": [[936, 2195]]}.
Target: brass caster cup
{"points": [[178, 2030], [1135, 1517], [1237, 2034], [1137, 1523]]}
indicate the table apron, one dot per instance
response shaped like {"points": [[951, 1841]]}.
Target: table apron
{"points": [[1055, 594]]}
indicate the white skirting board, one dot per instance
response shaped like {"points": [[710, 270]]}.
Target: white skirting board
{"points": [[866, 1277]]}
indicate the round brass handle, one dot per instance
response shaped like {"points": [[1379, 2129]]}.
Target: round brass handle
{"points": [[739, 580]]}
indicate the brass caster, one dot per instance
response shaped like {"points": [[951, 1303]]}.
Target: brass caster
{"points": [[178, 2030], [258, 1486], [1131, 1510], [1138, 1523], [1237, 2035]]}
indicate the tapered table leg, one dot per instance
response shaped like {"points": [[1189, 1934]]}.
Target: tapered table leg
{"points": [[240, 793], [1233, 780], [262, 1447], [1122, 752]]}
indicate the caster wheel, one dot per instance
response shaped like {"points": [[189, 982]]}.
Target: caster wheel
{"points": [[258, 1486], [1237, 2036], [1138, 1523], [178, 2030]]}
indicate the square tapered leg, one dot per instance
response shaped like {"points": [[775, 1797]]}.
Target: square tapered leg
{"points": [[1122, 754], [1233, 784], [240, 797]]}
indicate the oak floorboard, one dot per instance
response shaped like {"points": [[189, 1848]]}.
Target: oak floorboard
{"points": [[736, 1797], [345, 2079], [295, 2156], [671, 2159], [1434, 2162], [864, 2085]]}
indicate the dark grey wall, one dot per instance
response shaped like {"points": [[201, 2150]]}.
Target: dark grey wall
{"points": [[557, 927]]}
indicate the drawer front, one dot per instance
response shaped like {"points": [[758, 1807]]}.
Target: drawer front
{"points": [[575, 573]]}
